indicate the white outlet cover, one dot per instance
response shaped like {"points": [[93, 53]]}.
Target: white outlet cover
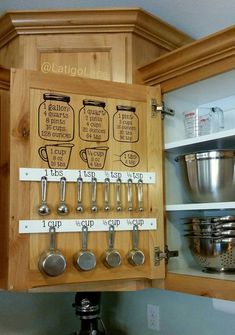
{"points": [[153, 317]]}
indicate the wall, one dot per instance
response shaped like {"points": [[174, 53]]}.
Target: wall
{"points": [[179, 314], [124, 313], [37, 314]]}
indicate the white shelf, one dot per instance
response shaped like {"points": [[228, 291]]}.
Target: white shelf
{"points": [[222, 139], [199, 273], [200, 206]]}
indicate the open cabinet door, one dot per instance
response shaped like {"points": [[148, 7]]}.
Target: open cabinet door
{"points": [[70, 128]]}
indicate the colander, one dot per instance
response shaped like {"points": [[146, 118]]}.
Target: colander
{"points": [[212, 254]]}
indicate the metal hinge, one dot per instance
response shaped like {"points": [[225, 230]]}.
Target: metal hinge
{"points": [[156, 108], [160, 255]]}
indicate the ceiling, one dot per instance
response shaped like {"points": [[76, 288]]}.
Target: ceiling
{"points": [[196, 18]]}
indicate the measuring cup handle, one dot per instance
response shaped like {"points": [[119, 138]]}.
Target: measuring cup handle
{"points": [[111, 236], [84, 237], [135, 239], [220, 115]]}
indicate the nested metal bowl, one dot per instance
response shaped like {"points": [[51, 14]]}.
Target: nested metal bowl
{"points": [[209, 176], [213, 254]]}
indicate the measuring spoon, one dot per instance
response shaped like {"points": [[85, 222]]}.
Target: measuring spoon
{"points": [[140, 195], [94, 207], [112, 257], [130, 195], [63, 208], [118, 195], [52, 262], [79, 208], [135, 256], [106, 194], [85, 260], [43, 209]]}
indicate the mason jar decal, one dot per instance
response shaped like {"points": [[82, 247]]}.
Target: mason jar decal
{"points": [[93, 121], [126, 124], [56, 118]]}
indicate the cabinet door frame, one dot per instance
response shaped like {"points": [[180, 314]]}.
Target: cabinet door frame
{"points": [[20, 277]]}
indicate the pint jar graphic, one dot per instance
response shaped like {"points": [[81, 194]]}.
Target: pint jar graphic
{"points": [[93, 121], [126, 124], [56, 118]]}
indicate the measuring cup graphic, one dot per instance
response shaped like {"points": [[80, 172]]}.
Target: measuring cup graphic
{"points": [[203, 121], [94, 157], [56, 155]]}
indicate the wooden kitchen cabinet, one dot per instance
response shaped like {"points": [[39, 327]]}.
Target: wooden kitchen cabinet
{"points": [[100, 44], [199, 74], [96, 43]]}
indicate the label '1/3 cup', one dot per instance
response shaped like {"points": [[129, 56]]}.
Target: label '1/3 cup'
{"points": [[56, 118]]}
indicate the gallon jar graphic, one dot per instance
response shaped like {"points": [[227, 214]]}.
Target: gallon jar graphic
{"points": [[126, 124], [93, 121], [56, 118]]}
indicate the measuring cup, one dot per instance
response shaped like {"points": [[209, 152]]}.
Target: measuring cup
{"points": [[203, 121], [135, 256], [85, 260], [52, 262], [112, 257]]}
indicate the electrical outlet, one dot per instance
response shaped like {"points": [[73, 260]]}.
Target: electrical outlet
{"points": [[153, 317]]}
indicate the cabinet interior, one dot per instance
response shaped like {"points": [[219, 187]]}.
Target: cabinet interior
{"points": [[215, 91]]}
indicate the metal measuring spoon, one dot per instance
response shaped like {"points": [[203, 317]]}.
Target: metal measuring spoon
{"points": [[106, 194], [85, 260], [118, 195], [135, 256], [129, 195], [112, 257], [52, 262], [94, 207], [43, 208], [63, 208], [140, 195], [79, 208]]}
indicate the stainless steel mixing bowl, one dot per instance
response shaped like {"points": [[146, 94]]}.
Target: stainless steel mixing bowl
{"points": [[209, 176]]}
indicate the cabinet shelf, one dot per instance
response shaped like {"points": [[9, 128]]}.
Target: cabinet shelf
{"points": [[201, 206], [220, 140]]}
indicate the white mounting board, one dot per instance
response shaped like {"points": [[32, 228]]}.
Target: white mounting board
{"points": [[94, 225], [34, 174]]}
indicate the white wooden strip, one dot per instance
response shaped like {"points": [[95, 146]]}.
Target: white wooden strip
{"points": [[94, 225], [33, 174]]}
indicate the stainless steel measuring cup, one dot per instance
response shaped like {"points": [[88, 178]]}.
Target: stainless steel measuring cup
{"points": [[111, 257], [52, 262], [135, 256], [85, 260]]}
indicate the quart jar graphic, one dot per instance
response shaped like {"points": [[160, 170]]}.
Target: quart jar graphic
{"points": [[93, 121], [126, 124], [56, 118]]}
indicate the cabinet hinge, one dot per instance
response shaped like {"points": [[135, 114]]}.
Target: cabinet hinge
{"points": [[156, 108], [160, 255]]}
